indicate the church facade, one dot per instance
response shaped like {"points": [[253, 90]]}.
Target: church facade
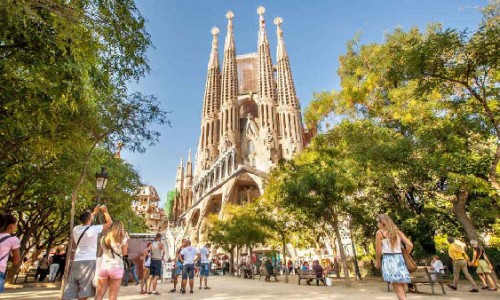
{"points": [[251, 119]]}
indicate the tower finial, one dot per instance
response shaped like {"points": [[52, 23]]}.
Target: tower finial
{"points": [[260, 11], [189, 155], [230, 16], [215, 32], [278, 21]]}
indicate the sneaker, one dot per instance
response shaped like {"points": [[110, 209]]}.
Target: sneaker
{"points": [[485, 287], [200, 287], [451, 286], [207, 288], [473, 291], [183, 291], [493, 290], [172, 291], [191, 291]]}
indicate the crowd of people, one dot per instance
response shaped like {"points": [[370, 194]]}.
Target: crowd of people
{"points": [[101, 263]]}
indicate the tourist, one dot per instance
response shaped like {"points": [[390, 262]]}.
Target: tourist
{"points": [[389, 255], [483, 266], [157, 255], [130, 268], [178, 265], [42, 268], [436, 266], [225, 266], [114, 247], [146, 258], [82, 269], [270, 270], [8, 244], [298, 266], [460, 262], [319, 273], [204, 265], [305, 266], [55, 264], [188, 256], [62, 264]]}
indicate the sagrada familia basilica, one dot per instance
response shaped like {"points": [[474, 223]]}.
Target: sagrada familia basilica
{"points": [[251, 119]]}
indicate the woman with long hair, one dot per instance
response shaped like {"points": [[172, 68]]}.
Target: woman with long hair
{"points": [[483, 266], [389, 254], [146, 257], [114, 246], [8, 243]]}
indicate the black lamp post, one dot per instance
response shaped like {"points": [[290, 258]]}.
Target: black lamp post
{"points": [[101, 181]]}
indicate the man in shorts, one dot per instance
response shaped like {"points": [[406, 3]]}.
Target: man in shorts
{"points": [[188, 257], [204, 265], [157, 255], [177, 266], [81, 275]]}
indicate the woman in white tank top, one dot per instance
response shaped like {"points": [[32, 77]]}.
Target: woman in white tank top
{"points": [[389, 255]]}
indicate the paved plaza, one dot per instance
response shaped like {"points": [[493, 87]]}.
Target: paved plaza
{"points": [[225, 288]]}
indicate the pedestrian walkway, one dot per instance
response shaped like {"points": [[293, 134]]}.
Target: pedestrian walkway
{"points": [[227, 288]]}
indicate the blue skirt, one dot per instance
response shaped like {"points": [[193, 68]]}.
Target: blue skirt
{"points": [[394, 268]]}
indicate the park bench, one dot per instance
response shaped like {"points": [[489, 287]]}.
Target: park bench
{"points": [[306, 274], [263, 272], [423, 275], [27, 274]]}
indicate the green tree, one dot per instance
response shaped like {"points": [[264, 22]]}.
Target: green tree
{"points": [[64, 69], [317, 187], [438, 92]]}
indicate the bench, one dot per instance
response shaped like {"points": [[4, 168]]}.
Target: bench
{"points": [[306, 274], [263, 272], [26, 274], [423, 275]]}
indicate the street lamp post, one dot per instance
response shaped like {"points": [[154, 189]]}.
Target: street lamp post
{"points": [[101, 181]]}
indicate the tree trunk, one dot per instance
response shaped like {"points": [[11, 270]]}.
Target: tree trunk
{"points": [[74, 195], [493, 168], [238, 261], [459, 211], [341, 249], [231, 263], [284, 258]]}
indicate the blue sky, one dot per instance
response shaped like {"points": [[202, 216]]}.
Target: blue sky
{"points": [[315, 33]]}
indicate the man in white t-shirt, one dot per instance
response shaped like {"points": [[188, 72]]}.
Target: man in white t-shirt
{"points": [[204, 264], [79, 285], [188, 256]]}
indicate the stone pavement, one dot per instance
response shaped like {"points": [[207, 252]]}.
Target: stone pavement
{"points": [[227, 288]]}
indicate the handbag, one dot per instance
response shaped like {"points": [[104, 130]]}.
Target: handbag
{"points": [[328, 281], [411, 265]]}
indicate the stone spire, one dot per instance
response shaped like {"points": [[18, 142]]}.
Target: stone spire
{"points": [[209, 138], [188, 180], [289, 114], [179, 180], [229, 115], [265, 69], [266, 87]]}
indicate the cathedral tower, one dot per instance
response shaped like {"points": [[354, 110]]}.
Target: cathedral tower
{"points": [[267, 90], [208, 148], [289, 115], [229, 115]]}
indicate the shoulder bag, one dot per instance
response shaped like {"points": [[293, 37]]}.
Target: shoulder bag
{"points": [[411, 265]]}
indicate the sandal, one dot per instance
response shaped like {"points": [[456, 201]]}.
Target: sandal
{"points": [[156, 293]]}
